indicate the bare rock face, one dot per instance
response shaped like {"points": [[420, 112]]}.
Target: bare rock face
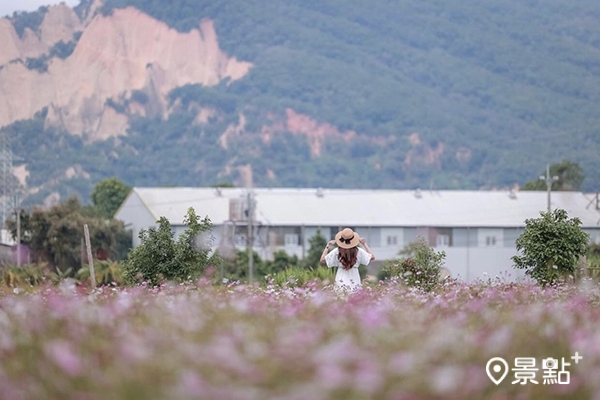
{"points": [[60, 23], [115, 56]]}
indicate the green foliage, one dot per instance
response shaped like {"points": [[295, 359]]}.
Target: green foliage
{"points": [[299, 276], [108, 195], [317, 243], [236, 267], [118, 107], [551, 247], [479, 82], [31, 20], [37, 274], [421, 266], [217, 98], [281, 261], [139, 96], [39, 64], [106, 273], [160, 258], [27, 275], [55, 235], [60, 49], [570, 177], [32, 275], [593, 261]]}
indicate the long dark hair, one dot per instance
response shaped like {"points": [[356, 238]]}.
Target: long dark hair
{"points": [[347, 257]]}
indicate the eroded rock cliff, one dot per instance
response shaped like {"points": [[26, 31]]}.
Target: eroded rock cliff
{"points": [[113, 57]]}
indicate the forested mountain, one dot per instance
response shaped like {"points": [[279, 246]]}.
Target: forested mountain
{"points": [[402, 94]]}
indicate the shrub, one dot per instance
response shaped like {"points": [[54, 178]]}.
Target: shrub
{"points": [[235, 267], [421, 268], [551, 247], [593, 261], [160, 258], [32, 275], [298, 276], [27, 275], [313, 255], [106, 272]]}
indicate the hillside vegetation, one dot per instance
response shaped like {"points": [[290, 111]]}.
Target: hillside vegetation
{"points": [[424, 93]]}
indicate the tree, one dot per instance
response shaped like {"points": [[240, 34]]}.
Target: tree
{"points": [[313, 255], [236, 267], [55, 235], [108, 195], [570, 177], [551, 246], [160, 258], [281, 261]]}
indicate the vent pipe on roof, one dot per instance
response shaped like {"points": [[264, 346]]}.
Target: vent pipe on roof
{"points": [[418, 194], [320, 192], [512, 194]]}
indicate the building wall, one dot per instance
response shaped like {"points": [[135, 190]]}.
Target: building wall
{"points": [[471, 253], [136, 217], [472, 263], [490, 237], [594, 235]]}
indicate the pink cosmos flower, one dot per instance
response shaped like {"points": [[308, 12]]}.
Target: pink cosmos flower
{"points": [[62, 354]]}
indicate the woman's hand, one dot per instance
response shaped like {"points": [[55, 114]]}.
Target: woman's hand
{"points": [[326, 250], [363, 241]]}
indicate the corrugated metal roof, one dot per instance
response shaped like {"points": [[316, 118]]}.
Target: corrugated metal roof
{"points": [[344, 207]]}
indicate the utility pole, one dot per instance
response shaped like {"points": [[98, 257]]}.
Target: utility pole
{"points": [[6, 183], [18, 216], [250, 236], [549, 180]]}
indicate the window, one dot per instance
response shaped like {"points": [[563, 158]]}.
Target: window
{"points": [[491, 237], [443, 240], [240, 240], [392, 240], [290, 239]]}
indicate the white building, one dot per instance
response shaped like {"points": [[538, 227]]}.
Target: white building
{"points": [[476, 229]]}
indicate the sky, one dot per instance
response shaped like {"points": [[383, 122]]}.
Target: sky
{"points": [[7, 7]]}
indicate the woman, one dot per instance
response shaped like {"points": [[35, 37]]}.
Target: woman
{"points": [[347, 257]]}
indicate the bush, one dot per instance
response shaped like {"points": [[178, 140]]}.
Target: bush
{"points": [[31, 275], [106, 272], [299, 276], [592, 262], [160, 258], [551, 247], [421, 268], [235, 267], [27, 275]]}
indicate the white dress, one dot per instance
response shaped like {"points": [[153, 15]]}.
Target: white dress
{"points": [[347, 278]]}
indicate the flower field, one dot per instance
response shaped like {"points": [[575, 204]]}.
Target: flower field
{"points": [[241, 342]]}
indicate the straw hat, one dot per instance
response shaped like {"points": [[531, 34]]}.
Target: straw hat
{"points": [[347, 238]]}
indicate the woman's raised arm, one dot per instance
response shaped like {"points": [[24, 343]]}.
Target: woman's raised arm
{"points": [[326, 250], [363, 241]]}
